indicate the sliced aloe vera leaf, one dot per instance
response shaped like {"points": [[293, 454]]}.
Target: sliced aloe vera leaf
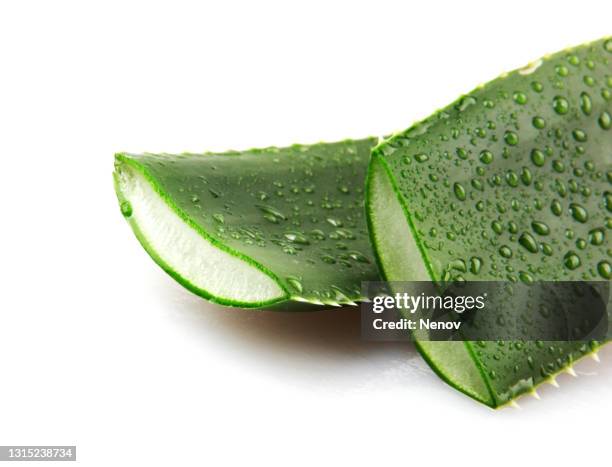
{"points": [[255, 228], [510, 182]]}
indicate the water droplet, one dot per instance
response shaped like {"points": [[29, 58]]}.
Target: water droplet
{"points": [[511, 138], [519, 97], [527, 241], [497, 227], [558, 166], [421, 157], [296, 237], [480, 132], [560, 105], [585, 103], [290, 249], [596, 236], [328, 259], [608, 45], [525, 277], [458, 265], [488, 103], [512, 179], [605, 120], [357, 256], [334, 222], [526, 176], [537, 86], [475, 264], [578, 212], [342, 233], [555, 207], [486, 156], [604, 269], [540, 228], [579, 135], [505, 251], [464, 103], [218, 218], [537, 157], [571, 260], [546, 249], [562, 70], [459, 191], [461, 153], [538, 122], [126, 209], [295, 283], [317, 234], [271, 214]]}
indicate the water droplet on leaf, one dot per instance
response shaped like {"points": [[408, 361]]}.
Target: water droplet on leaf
{"points": [[511, 138], [528, 242], [560, 105], [578, 212], [571, 260], [126, 209]]}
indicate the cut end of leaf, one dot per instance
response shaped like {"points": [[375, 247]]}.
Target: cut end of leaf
{"points": [[388, 223], [184, 252], [402, 260]]}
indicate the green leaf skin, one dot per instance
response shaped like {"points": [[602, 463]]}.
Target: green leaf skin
{"points": [[296, 214], [510, 182]]}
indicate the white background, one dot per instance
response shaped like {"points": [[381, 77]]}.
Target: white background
{"points": [[99, 348]]}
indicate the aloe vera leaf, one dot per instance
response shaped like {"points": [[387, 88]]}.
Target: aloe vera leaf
{"points": [[255, 228], [510, 182]]}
